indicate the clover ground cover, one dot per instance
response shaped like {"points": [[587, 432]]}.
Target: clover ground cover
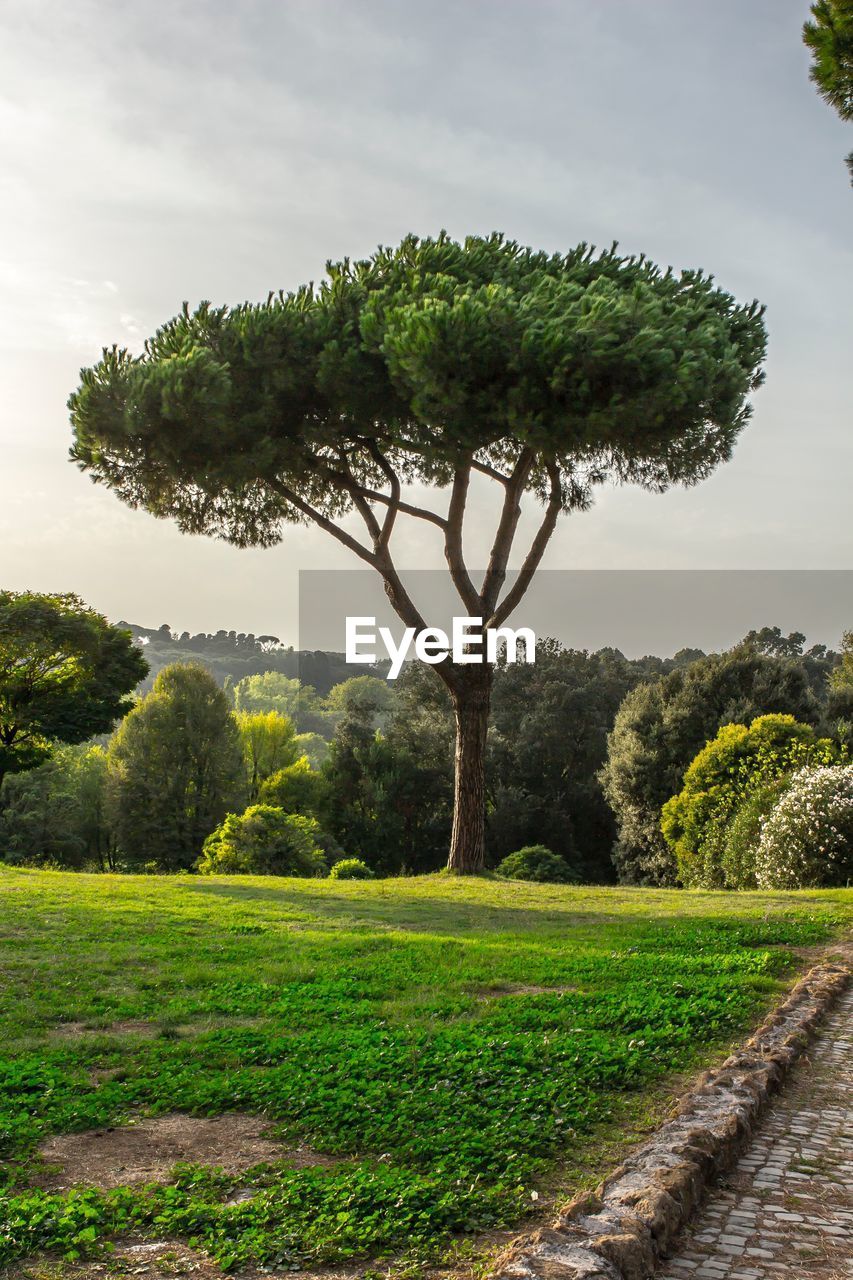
{"points": [[454, 1051]]}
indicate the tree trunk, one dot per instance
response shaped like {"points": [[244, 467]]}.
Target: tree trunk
{"points": [[471, 697]]}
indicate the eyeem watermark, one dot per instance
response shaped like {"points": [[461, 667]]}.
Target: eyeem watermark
{"points": [[465, 644]]}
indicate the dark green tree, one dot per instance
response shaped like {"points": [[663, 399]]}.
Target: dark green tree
{"points": [[388, 795], [829, 36], [838, 710], [431, 362], [56, 814], [818, 662], [842, 676], [547, 744], [177, 768], [65, 674], [661, 726]]}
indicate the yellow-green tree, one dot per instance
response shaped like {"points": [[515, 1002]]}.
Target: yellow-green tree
{"points": [[269, 744]]}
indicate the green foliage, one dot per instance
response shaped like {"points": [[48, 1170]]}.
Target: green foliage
{"points": [[270, 691], [264, 841], [65, 674], [399, 1028], [659, 729], [741, 835], [269, 745], [366, 697], [351, 869], [313, 747], [432, 347], [728, 769], [806, 841], [177, 768], [389, 797], [548, 740], [56, 815], [539, 864], [829, 36], [842, 676], [296, 789]]}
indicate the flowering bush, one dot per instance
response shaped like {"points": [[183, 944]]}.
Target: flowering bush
{"points": [[807, 839], [726, 771]]}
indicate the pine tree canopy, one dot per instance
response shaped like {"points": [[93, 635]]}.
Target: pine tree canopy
{"points": [[830, 37], [555, 371]]}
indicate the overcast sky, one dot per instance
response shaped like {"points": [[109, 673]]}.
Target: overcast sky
{"points": [[168, 151]]}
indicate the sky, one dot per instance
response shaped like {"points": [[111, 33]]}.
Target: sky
{"points": [[168, 151]]}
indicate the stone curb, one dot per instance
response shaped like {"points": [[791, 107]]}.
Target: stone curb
{"points": [[621, 1231]]}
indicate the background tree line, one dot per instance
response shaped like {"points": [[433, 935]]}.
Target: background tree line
{"points": [[584, 749], [231, 655]]}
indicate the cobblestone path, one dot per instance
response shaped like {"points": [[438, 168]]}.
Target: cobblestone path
{"points": [[787, 1208]]}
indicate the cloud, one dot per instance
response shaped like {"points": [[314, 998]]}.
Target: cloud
{"points": [[183, 150]]}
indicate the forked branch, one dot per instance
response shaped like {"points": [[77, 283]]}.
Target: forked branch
{"points": [[505, 534], [537, 549]]}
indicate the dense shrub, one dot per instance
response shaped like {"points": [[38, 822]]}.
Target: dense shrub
{"points": [[535, 862], [729, 768], [264, 841], [807, 840], [742, 834], [297, 788], [351, 869]]}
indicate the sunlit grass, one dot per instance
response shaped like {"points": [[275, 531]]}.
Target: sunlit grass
{"points": [[458, 1045]]}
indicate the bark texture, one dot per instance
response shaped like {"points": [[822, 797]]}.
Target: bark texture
{"points": [[471, 698]]}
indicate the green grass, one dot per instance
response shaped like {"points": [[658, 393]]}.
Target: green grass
{"points": [[371, 1021]]}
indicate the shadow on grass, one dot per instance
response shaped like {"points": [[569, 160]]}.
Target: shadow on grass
{"points": [[441, 914]]}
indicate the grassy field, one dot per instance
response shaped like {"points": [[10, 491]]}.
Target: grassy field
{"points": [[460, 1052]]}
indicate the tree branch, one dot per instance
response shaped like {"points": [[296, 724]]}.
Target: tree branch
{"points": [[353, 487], [362, 506], [394, 481], [536, 552], [401, 601], [453, 541], [491, 472], [505, 533], [380, 560], [324, 522]]}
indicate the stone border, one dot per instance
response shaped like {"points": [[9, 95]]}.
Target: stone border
{"points": [[621, 1231]]}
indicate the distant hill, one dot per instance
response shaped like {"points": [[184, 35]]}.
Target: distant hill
{"points": [[230, 655]]}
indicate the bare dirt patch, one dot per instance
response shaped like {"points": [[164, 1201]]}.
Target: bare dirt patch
{"points": [[127, 1027], [148, 1149], [164, 1259], [522, 989]]}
